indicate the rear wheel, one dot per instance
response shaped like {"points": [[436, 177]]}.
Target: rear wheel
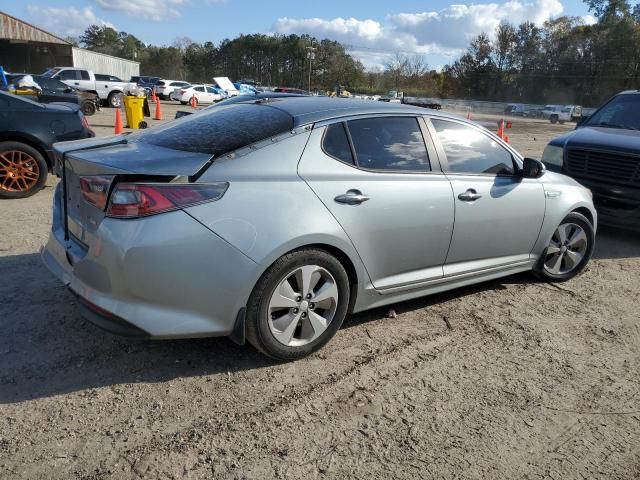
{"points": [[88, 107], [298, 304], [569, 249], [183, 103], [23, 170], [553, 118]]}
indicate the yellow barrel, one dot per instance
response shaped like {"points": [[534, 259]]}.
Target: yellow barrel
{"points": [[133, 111]]}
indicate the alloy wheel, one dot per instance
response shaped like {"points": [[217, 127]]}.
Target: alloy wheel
{"points": [[566, 250], [19, 171], [303, 305]]}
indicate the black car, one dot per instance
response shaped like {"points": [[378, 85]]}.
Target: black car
{"points": [[53, 90], [145, 82], [603, 153], [27, 131]]}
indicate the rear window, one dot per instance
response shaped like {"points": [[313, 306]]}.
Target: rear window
{"points": [[220, 130]]}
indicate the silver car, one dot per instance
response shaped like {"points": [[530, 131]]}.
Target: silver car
{"points": [[271, 220]]}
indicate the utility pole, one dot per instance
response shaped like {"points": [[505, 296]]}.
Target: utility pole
{"points": [[311, 55]]}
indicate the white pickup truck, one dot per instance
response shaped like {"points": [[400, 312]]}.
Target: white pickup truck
{"points": [[568, 113], [107, 87]]}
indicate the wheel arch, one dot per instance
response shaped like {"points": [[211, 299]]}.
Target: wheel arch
{"points": [[31, 141], [586, 213]]}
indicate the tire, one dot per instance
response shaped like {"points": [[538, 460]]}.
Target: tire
{"points": [[183, 103], [88, 108], [265, 315], [572, 225], [553, 118], [114, 100], [561, 122], [23, 170]]}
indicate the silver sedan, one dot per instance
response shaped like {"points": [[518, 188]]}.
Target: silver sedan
{"points": [[271, 220]]}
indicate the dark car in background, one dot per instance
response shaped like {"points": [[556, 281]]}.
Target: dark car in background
{"points": [[53, 90], [603, 153], [145, 82], [28, 130]]}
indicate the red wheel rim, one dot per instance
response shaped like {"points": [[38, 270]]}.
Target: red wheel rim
{"points": [[19, 171]]}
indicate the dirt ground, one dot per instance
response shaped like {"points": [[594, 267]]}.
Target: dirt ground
{"points": [[507, 379]]}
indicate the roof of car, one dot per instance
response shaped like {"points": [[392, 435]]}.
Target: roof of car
{"points": [[305, 110]]}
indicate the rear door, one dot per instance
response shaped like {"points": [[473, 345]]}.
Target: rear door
{"points": [[498, 214], [384, 186]]}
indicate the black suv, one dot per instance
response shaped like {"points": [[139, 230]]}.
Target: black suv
{"points": [[603, 153]]}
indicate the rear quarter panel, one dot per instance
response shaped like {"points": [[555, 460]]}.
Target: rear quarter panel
{"points": [[268, 209]]}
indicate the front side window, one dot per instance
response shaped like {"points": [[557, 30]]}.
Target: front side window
{"points": [[84, 75], [336, 144], [389, 143], [469, 150], [69, 75]]}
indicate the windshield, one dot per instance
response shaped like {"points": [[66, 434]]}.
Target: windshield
{"points": [[566, 109], [621, 112]]}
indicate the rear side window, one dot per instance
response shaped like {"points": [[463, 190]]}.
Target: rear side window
{"points": [[336, 144], [468, 150], [389, 143], [199, 89], [219, 130]]}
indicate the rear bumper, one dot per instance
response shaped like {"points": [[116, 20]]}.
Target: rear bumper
{"points": [[165, 276]]}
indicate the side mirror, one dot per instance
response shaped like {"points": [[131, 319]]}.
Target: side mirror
{"points": [[532, 168]]}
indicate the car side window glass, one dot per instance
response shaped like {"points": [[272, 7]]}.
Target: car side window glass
{"points": [[336, 144], [468, 150], [68, 75], [199, 89], [389, 143], [84, 75]]}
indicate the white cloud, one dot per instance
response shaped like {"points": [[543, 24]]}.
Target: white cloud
{"points": [[445, 33], [67, 21], [155, 10], [588, 20]]}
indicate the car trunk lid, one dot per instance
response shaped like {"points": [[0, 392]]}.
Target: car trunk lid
{"points": [[114, 160]]}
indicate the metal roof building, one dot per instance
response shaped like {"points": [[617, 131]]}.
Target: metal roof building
{"points": [[25, 48]]}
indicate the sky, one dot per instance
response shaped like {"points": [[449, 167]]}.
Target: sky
{"points": [[373, 31]]}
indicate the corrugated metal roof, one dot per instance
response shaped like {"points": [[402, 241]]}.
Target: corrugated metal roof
{"points": [[12, 28]]}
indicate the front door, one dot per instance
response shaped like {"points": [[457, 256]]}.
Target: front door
{"points": [[386, 190], [498, 214]]}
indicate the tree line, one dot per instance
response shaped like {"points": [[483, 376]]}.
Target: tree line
{"points": [[562, 61]]}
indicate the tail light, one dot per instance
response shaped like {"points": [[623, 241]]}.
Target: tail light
{"points": [[133, 200], [95, 189]]}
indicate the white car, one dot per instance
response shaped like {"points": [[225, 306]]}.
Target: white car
{"points": [[203, 93], [164, 88]]}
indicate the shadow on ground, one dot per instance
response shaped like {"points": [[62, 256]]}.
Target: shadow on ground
{"points": [[48, 349]]}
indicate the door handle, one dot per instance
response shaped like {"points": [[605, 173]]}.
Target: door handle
{"points": [[352, 197], [77, 83], [469, 196]]}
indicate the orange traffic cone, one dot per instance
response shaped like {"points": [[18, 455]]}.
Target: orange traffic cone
{"points": [[154, 98], [158, 115], [500, 132], [193, 101], [118, 123], [469, 115], [506, 138]]}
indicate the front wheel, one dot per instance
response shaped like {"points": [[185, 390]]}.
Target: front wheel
{"points": [[553, 119], [568, 251], [115, 99], [23, 170], [298, 304]]}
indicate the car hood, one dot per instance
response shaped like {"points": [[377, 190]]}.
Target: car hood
{"points": [[117, 155], [614, 139]]}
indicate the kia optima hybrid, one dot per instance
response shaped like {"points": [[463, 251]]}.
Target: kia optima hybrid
{"points": [[273, 219]]}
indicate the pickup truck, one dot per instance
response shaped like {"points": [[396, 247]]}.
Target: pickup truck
{"points": [[568, 113], [109, 91]]}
